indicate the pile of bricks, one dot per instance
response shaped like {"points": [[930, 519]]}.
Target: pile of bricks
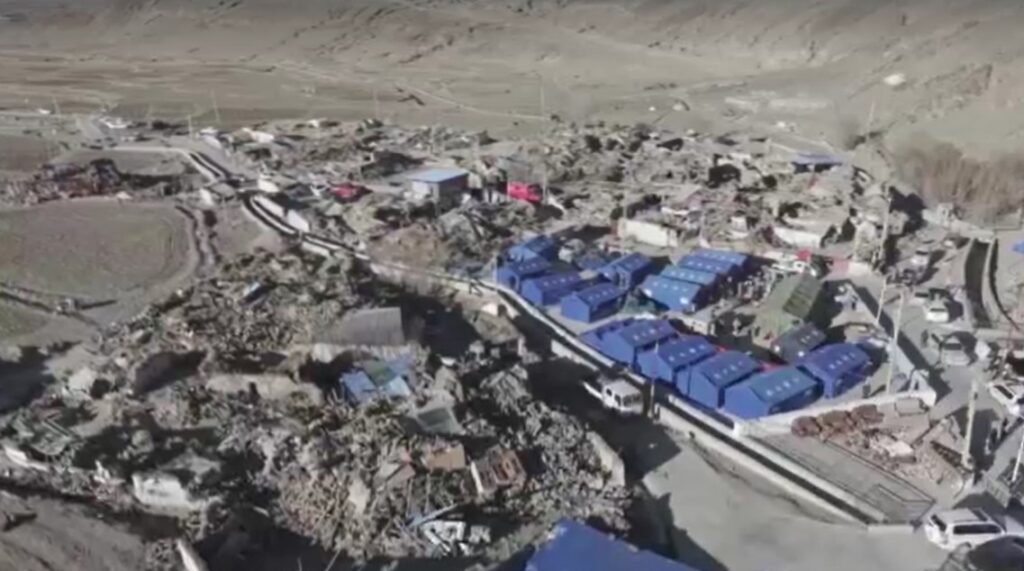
{"points": [[837, 422]]}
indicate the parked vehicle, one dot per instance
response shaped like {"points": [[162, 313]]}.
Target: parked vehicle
{"points": [[1008, 395], [1013, 368], [968, 528], [922, 258], [937, 312], [954, 352], [615, 394]]}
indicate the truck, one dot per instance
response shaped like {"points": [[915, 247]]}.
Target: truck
{"points": [[615, 394]]}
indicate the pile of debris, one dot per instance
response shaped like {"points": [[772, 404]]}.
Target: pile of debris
{"points": [[98, 177], [837, 422]]}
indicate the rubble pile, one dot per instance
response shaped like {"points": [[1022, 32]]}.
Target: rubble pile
{"points": [[256, 303], [99, 177]]}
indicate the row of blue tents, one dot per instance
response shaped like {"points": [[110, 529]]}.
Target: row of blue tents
{"points": [[691, 365], [532, 270], [726, 379]]}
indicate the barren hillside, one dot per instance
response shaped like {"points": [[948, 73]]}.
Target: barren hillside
{"points": [[815, 66]]}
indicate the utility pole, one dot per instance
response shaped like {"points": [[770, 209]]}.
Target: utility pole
{"points": [[56, 107], [1016, 463], [894, 342], [881, 301], [972, 404], [216, 109]]}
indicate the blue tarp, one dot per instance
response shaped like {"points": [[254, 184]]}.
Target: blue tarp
{"points": [[596, 336], [772, 392], [540, 246], [1019, 247], [837, 367], [673, 294], [668, 357], [798, 342], [512, 274], [377, 380], [545, 290], [572, 546], [734, 258], [593, 303], [628, 270], [706, 265], [625, 345], [706, 382], [691, 275]]}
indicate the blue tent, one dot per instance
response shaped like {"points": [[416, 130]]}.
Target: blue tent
{"points": [[595, 337], [734, 259], [628, 270], [592, 303], [572, 546], [511, 275], [669, 357], [706, 382], [625, 345], [545, 290], [679, 273], [837, 367], [675, 295], [772, 392], [706, 265], [798, 342], [540, 246], [592, 260], [1019, 247]]}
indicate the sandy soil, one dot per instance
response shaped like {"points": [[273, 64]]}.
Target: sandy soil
{"points": [[816, 67], [61, 536], [94, 249], [121, 255]]}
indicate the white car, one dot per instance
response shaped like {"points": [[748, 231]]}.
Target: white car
{"points": [[968, 528], [615, 394], [937, 312], [954, 353], [922, 258], [1009, 396]]}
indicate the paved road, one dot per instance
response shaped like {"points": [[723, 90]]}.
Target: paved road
{"points": [[722, 517]]}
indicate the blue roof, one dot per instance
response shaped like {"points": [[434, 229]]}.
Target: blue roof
{"points": [[530, 267], [556, 281], [734, 258], [629, 263], [592, 261], [599, 294], [727, 367], [780, 384], [839, 359], [646, 331], [689, 275], [538, 244], [436, 175], [657, 287], [598, 333], [705, 264], [685, 350], [572, 546]]}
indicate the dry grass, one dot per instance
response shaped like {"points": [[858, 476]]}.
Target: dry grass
{"points": [[982, 191]]}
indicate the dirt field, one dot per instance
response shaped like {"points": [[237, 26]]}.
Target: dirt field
{"points": [[61, 536], [802, 68], [97, 249]]}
